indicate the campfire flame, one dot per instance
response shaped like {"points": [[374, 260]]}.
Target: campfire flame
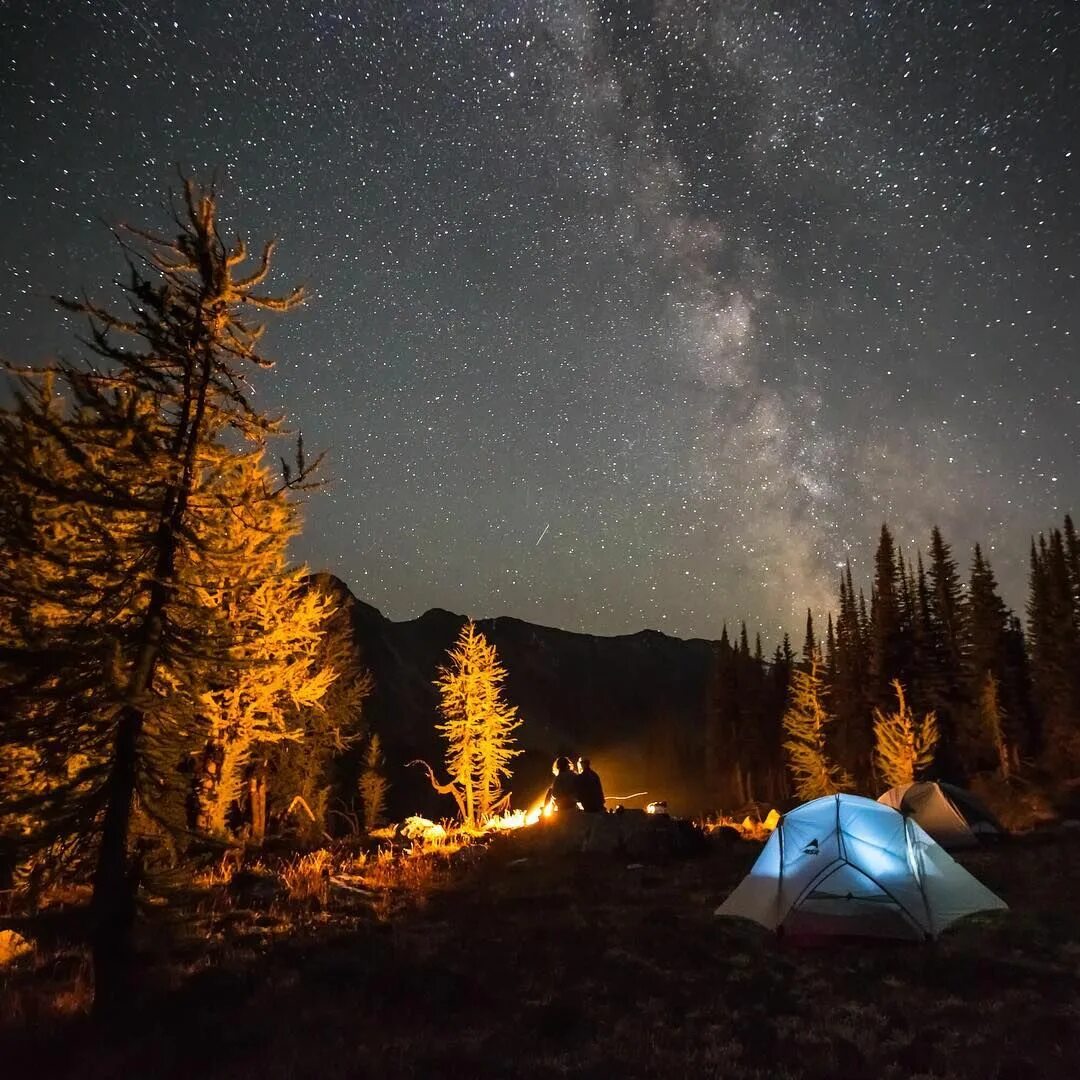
{"points": [[520, 819], [439, 834], [749, 828]]}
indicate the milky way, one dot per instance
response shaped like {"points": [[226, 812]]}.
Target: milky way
{"points": [[622, 314]]}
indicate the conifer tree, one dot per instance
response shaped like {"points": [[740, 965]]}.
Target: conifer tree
{"points": [[848, 689], [948, 622], [742, 714], [260, 674], [886, 653], [904, 746], [373, 784], [142, 433], [830, 654], [1017, 696], [1072, 560], [806, 723], [1054, 633], [746, 736], [766, 779], [776, 677], [478, 727], [924, 646], [991, 725], [810, 646], [318, 765], [725, 724]]}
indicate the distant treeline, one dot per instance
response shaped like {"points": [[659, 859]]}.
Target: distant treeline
{"points": [[1005, 691]]}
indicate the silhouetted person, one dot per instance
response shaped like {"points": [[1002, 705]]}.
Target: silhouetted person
{"points": [[590, 790], [564, 790]]}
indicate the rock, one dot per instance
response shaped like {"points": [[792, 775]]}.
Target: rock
{"points": [[13, 947]]}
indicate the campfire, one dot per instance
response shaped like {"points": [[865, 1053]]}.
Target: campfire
{"points": [[520, 819], [426, 832], [750, 828], [442, 833]]}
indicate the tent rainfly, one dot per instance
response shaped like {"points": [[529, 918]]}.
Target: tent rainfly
{"points": [[955, 818], [848, 865]]}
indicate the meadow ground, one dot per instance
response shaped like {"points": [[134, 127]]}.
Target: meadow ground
{"points": [[509, 961]]}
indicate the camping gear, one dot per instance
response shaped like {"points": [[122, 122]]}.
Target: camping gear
{"points": [[848, 865], [955, 818]]}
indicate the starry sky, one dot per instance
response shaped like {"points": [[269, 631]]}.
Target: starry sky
{"points": [[623, 314]]}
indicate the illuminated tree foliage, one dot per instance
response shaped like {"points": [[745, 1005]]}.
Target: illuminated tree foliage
{"points": [[904, 747], [273, 625], [303, 776], [478, 727], [806, 723], [991, 725], [112, 580], [65, 608], [373, 785]]}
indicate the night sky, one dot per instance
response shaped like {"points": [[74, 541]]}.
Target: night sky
{"points": [[623, 315]]}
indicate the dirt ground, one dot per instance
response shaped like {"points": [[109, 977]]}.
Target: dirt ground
{"points": [[512, 962]]}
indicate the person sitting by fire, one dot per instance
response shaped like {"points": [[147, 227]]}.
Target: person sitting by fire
{"points": [[563, 793], [590, 790]]}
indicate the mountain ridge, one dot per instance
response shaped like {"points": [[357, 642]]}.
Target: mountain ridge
{"points": [[635, 703]]}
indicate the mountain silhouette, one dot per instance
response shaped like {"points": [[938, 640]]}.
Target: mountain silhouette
{"points": [[635, 703]]}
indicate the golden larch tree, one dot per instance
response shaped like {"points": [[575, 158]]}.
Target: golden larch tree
{"points": [[806, 722], [373, 784], [259, 667], [991, 721], [903, 746], [109, 474], [296, 779], [478, 727]]}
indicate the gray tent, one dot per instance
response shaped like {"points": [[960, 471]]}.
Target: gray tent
{"points": [[851, 866], [955, 818]]}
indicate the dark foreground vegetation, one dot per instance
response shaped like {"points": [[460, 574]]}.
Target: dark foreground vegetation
{"points": [[513, 960]]}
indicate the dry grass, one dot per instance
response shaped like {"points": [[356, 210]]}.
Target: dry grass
{"points": [[220, 873], [307, 880], [508, 961]]}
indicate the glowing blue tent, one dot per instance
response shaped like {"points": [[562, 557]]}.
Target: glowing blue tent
{"points": [[848, 865]]}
